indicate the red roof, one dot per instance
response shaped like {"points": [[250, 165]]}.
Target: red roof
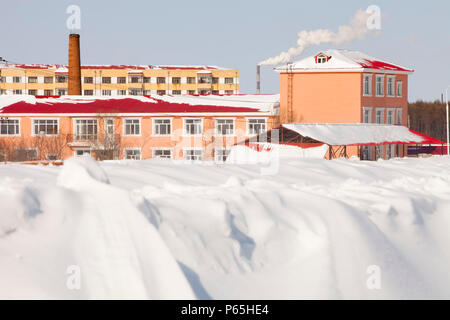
{"points": [[123, 105]]}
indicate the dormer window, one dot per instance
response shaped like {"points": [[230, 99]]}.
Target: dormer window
{"points": [[322, 58]]}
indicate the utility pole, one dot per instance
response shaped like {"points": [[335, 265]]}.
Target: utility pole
{"points": [[446, 118]]}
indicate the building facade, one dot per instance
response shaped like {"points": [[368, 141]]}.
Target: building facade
{"points": [[191, 128], [119, 80], [340, 86]]}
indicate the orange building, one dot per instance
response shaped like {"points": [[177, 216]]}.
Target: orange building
{"points": [[340, 86], [141, 127]]}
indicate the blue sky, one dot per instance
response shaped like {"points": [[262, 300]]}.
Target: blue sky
{"points": [[233, 34]]}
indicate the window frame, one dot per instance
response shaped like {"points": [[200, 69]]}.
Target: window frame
{"points": [[75, 128], [370, 109], [124, 157], [392, 78], [383, 121], [192, 149], [379, 76], [397, 83], [185, 133], [219, 134], [124, 124], [247, 125], [11, 135], [33, 134], [162, 149], [154, 125], [388, 110], [216, 154], [370, 77]]}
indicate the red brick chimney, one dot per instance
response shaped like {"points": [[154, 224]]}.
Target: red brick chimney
{"points": [[74, 85]]}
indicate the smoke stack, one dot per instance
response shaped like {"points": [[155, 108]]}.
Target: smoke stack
{"points": [[74, 85], [258, 79]]}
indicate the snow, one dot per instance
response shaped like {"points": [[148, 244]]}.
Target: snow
{"points": [[342, 60], [167, 229], [264, 103], [354, 133]]}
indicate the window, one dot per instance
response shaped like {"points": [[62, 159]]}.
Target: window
{"points": [[215, 80], [51, 156], [390, 116], [17, 91], [82, 152], [321, 59], [192, 154], [135, 92], [86, 129], [32, 92], [224, 127], [191, 92], [26, 154], [229, 81], [160, 80], [215, 92], [2, 79], [190, 80], [367, 115], [390, 86], [121, 79], [9, 127], [61, 91], [204, 91], [48, 79], [176, 92], [389, 151], [399, 116], [109, 127], [132, 127], [147, 92], [88, 92], [367, 85], [2, 91], [135, 79], [256, 126], [204, 79], [380, 85], [366, 153], [132, 154], [48, 92], [106, 92], [399, 88], [229, 92], [161, 92], [106, 79], [17, 79], [122, 92], [162, 153], [147, 79], [45, 127], [220, 154], [176, 80], [61, 79], [32, 80], [162, 127], [88, 80], [192, 126], [380, 115]]}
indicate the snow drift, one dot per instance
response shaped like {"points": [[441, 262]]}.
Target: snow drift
{"points": [[158, 230]]}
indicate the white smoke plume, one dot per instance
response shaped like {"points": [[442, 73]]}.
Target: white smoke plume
{"points": [[356, 30]]}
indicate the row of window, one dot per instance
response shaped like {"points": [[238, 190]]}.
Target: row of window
{"points": [[131, 79], [87, 129], [393, 88], [191, 154], [131, 91], [393, 115]]}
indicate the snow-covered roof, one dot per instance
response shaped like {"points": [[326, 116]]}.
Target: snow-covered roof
{"points": [[26, 104], [108, 66], [340, 134], [343, 61]]}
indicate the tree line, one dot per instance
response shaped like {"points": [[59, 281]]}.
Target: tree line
{"points": [[428, 118]]}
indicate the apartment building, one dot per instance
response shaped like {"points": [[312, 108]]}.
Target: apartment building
{"points": [[341, 86], [119, 80], [184, 127]]}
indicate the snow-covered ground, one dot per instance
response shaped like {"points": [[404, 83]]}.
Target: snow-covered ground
{"points": [[159, 229]]}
